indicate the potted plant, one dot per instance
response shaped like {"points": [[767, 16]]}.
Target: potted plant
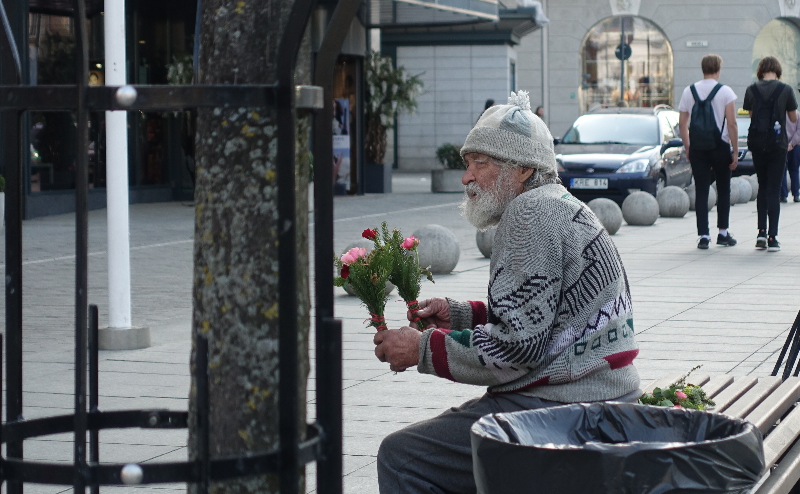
{"points": [[389, 91], [448, 179]]}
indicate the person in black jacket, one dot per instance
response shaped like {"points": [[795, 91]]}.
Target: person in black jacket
{"points": [[769, 157]]}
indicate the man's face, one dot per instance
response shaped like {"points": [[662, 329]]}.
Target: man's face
{"points": [[488, 189]]}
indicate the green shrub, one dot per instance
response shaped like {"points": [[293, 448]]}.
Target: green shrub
{"points": [[450, 157]]}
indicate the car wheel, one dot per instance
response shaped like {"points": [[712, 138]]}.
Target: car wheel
{"points": [[661, 183]]}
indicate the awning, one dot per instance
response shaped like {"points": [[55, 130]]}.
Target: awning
{"points": [[527, 17]]}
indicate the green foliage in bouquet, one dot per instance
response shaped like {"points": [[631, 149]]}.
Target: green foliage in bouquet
{"points": [[393, 259], [679, 395], [367, 274], [406, 272]]}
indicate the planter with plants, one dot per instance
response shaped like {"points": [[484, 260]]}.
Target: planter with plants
{"points": [[449, 178], [389, 91]]}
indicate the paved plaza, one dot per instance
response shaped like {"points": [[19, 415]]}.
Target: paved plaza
{"points": [[728, 309]]}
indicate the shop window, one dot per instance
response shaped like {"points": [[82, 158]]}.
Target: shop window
{"points": [[345, 105], [779, 38], [512, 75], [626, 61], [53, 135]]}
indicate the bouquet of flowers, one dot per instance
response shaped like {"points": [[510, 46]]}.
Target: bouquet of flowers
{"points": [[407, 273], [393, 259], [679, 395]]}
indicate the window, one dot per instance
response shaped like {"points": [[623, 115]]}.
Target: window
{"points": [[626, 61], [512, 75], [781, 39], [606, 128]]}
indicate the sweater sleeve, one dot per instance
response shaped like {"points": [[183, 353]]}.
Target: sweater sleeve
{"points": [[523, 299]]}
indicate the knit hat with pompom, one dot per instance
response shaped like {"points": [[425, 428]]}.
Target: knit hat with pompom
{"points": [[514, 134]]}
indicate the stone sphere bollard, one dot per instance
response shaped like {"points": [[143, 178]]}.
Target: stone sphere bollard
{"points": [[753, 180], [640, 209], [608, 212], [367, 244], [485, 241], [734, 194], [438, 248], [745, 191], [692, 192], [673, 202]]}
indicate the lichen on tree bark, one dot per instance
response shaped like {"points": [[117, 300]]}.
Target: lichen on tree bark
{"points": [[236, 284]]}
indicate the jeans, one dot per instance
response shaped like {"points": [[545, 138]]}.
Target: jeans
{"points": [[770, 166], [707, 166], [793, 166]]}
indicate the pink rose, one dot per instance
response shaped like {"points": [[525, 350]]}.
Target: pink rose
{"points": [[680, 394], [353, 255], [409, 243]]}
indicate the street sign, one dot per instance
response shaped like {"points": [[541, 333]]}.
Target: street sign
{"points": [[623, 51]]}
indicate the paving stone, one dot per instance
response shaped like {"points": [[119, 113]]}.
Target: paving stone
{"points": [[726, 308]]}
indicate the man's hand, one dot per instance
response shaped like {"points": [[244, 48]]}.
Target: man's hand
{"points": [[435, 312], [399, 347], [734, 160]]}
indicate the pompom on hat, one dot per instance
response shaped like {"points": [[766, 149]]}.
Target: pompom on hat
{"points": [[514, 134]]}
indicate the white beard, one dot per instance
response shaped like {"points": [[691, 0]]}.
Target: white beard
{"points": [[488, 206]]}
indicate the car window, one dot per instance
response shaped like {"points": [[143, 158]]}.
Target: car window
{"points": [[674, 119], [744, 125], [666, 128], [614, 129]]}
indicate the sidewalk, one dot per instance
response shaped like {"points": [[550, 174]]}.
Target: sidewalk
{"points": [[727, 308]]}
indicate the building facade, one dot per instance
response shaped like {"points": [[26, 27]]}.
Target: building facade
{"points": [[599, 52]]}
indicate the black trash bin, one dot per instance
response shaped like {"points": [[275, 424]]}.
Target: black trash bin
{"points": [[615, 448]]}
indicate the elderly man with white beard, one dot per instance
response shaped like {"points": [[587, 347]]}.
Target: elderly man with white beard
{"points": [[557, 327]]}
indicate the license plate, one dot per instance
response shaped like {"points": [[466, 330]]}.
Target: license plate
{"points": [[589, 183]]}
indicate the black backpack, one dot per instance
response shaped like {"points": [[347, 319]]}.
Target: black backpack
{"points": [[704, 134], [762, 135]]}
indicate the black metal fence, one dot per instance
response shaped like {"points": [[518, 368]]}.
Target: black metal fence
{"points": [[323, 443]]}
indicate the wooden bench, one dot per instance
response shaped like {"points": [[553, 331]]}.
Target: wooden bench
{"points": [[770, 404]]}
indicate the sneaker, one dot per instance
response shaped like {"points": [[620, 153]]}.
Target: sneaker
{"points": [[703, 243], [784, 199], [796, 198], [761, 240], [773, 245], [727, 241]]}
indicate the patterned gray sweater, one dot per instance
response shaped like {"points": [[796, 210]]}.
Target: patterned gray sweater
{"points": [[559, 322]]}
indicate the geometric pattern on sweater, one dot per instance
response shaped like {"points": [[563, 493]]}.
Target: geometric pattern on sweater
{"points": [[559, 316], [497, 347], [603, 268]]}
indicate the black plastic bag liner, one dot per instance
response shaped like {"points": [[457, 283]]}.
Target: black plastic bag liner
{"points": [[615, 448]]}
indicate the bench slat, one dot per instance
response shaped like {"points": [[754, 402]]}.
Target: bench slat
{"points": [[786, 474], [730, 394], [755, 395], [775, 405], [782, 437], [717, 384]]}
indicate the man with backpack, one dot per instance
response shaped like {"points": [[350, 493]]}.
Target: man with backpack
{"points": [[708, 128], [770, 102]]}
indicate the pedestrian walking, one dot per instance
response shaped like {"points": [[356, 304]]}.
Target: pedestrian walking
{"points": [[792, 162], [770, 103], [708, 127]]}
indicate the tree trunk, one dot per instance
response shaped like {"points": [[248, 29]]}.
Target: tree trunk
{"points": [[236, 285]]}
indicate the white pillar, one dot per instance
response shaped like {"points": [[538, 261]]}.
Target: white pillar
{"points": [[119, 268]]}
